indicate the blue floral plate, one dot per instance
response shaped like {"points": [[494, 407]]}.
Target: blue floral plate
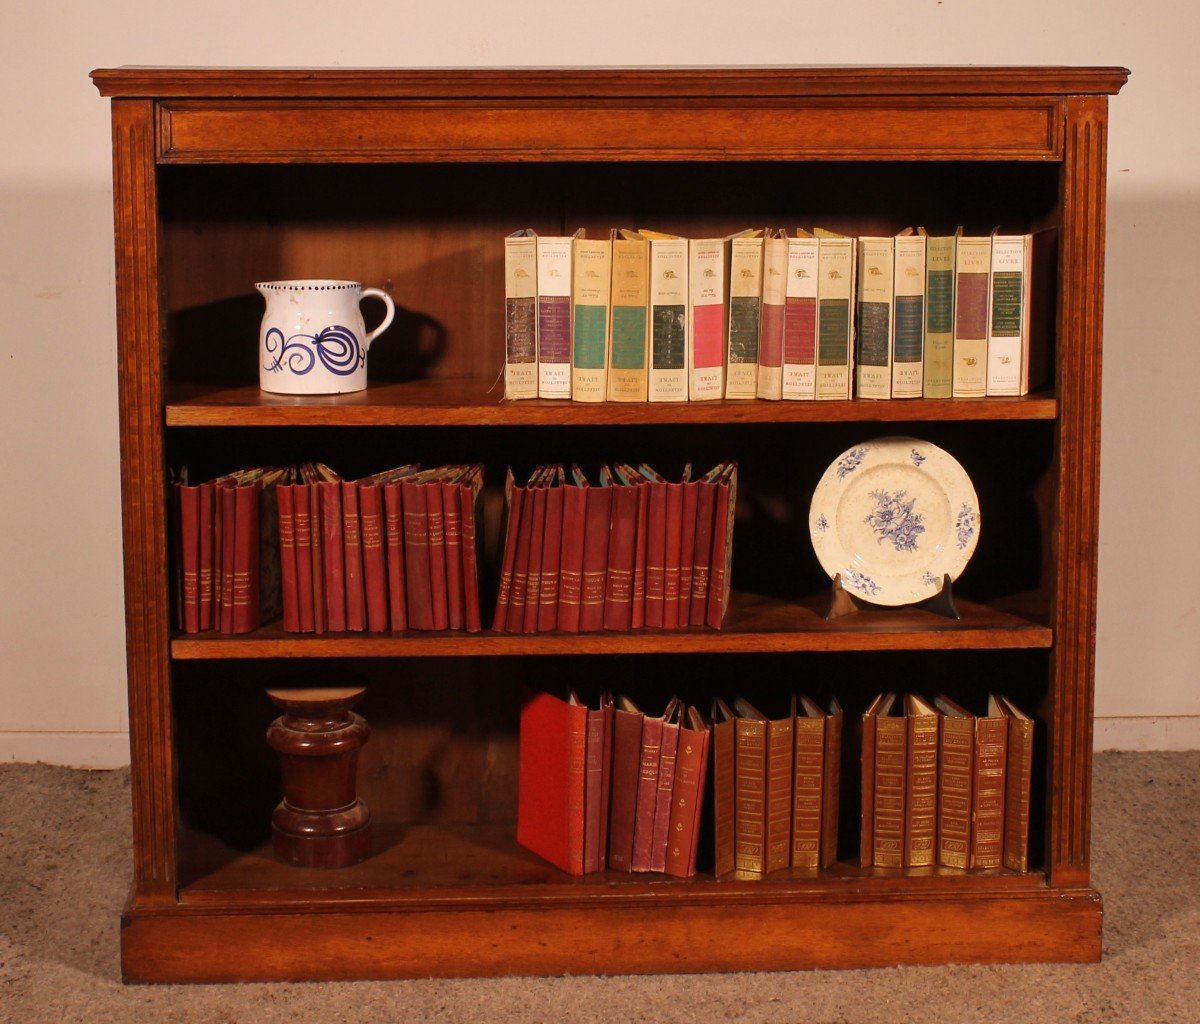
{"points": [[893, 516]]}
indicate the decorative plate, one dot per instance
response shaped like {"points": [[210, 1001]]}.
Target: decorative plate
{"points": [[893, 516]]}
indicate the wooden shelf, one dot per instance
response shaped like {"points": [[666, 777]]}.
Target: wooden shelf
{"points": [[472, 402], [753, 624]]}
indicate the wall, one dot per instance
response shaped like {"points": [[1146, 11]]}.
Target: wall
{"points": [[62, 676]]}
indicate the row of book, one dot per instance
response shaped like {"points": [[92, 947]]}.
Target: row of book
{"points": [[645, 316], [631, 550]]}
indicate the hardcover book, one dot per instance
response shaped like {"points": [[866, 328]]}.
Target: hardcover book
{"points": [[956, 758], [669, 322], [972, 266], [724, 784], [891, 785], [626, 767], [554, 264], [835, 321], [1020, 312], [920, 802], [591, 298], [939, 316], [708, 289], [774, 316], [1017, 785], [876, 281], [800, 319], [551, 779], [647, 786], [629, 325], [520, 315], [880, 706], [687, 795], [597, 785], [745, 315], [908, 317]]}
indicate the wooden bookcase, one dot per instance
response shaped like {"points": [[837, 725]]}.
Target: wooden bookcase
{"points": [[409, 179]]}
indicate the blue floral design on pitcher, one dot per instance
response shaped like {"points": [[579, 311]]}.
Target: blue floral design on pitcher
{"points": [[335, 347]]}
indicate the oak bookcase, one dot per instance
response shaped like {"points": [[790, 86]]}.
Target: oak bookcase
{"points": [[409, 179]]}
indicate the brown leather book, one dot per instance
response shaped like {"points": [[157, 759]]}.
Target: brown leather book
{"points": [[687, 795], [597, 519], [637, 618], [778, 852], [724, 785], [987, 788], [667, 763], [320, 615], [647, 792], [622, 549], [356, 603], [452, 527], [702, 546], [374, 555], [226, 516], [599, 752], [672, 561], [1018, 782], [920, 800], [333, 549], [393, 519], [187, 503], [656, 545], [720, 574], [750, 789], [515, 623], [570, 570], [547, 606], [891, 761], [287, 559], [416, 555], [831, 798], [626, 766], [513, 497], [687, 550], [881, 705], [470, 489], [808, 784], [246, 557], [207, 576], [436, 520], [606, 707], [537, 543], [956, 757], [302, 528]]}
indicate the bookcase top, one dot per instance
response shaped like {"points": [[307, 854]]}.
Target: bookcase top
{"points": [[603, 82]]}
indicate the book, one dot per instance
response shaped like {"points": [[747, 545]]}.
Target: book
{"points": [[656, 545], [891, 785], [667, 763], [956, 757], [515, 621], [554, 265], [745, 315], [637, 618], [470, 489], [597, 781], [187, 512], [647, 786], [831, 798], [881, 705], [436, 516], [452, 531], [687, 551], [513, 499], [308, 473], [756, 827], [908, 317], [590, 297], [835, 321], [724, 743], [207, 571], [570, 573], [939, 316], [721, 571], [374, 554], [551, 778], [672, 560], [687, 795], [622, 550], [626, 766], [520, 315], [551, 563], [352, 559], [708, 284], [302, 530], [537, 542], [774, 316], [987, 787], [702, 545], [972, 266], [629, 324], [816, 768], [597, 523], [800, 319], [1021, 312], [876, 281], [921, 770], [328, 486], [1017, 785], [669, 322]]}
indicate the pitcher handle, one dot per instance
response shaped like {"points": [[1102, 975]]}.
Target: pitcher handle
{"points": [[379, 293]]}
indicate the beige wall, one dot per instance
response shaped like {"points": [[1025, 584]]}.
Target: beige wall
{"points": [[61, 676]]}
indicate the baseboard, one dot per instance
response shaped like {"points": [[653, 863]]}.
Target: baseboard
{"points": [[1164, 732], [72, 749]]}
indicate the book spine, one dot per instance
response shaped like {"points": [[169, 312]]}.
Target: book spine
{"points": [[774, 319], [225, 538], [507, 568], [520, 318], [629, 327], [706, 317], [416, 556], [876, 280], [777, 852], [750, 795], [745, 317], [724, 806], [637, 617], [668, 759], [547, 614], [1017, 786], [668, 320], [452, 528], [671, 561], [622, 543], [317, 530], [207, 551], [687, 799], [515, 623], [287, 559], [626, 767], [866, 847], [656, 551], [591, 794], [533, 574], [972, 263], [647, 794], [606, 766], [939, 317], [956, 756], [374, 556], [554, 317], [987, 792], [188, 505], [333, 549], [832, 790], [702, 551], [394, 526], [835, 330], [890, 760], [920, 799], [570, 573], [245, 559], [356, 606], [800, 320], [722, 556], [302, 530], [1008, 320], [808, 785], [687, 551], [908, 319], [576, 775], [591, 295], [436, 517], [469, 512], [595, 558]]}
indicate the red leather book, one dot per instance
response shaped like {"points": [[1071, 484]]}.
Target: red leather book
{"points": [[206, 555], [626, 764], [246, 558], [687, 795], [598, 774], [722, 554], [435, 516], [227, 498], [687, 550], [188, 545], [302, 530], [393, 519], [320, 614], [656, 545], [633, 478], [452, 524], [416, 555], [674, 541], [622, 550], [356, 602], [570, 571], [647, 789], [666, 784], [515, 623], [513, 496], [724, 786], [597, 520], [288, 567], [547, 615], [470, 490], [550, 788], [537, 543], [702, 545], [374, 554], [334, 551]]}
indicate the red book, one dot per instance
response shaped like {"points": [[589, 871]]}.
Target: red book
{"points": [[207, 567], [687, 795], [302, 529], [470, 489], [320, 607], [515, 622], [637, 617], [513, 499], [622, 549], [188, 540], [722, 555], [356, 602], [452, 524], [597, 520], [416, 556], [626, 761], [228, 515], [673, 540], [393, 513], [666, 782], [550, 788], [245, 558], [435, 515], [596, 784], [687, 547], [656, 545], [703, 544], [374, 555], [547, 616], [333, 549], [570, 572], [288, 568], [647, 790], [537, 542]]}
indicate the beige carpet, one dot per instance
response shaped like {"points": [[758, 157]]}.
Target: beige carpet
{"points": [[64, 861]]}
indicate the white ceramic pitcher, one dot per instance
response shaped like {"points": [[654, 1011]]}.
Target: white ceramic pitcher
{"points": [[313, 340]]}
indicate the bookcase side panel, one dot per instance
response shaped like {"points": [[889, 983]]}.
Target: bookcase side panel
{"points": [[1080, 315], [147, 607]]}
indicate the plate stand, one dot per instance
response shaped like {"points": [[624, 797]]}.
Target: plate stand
{"points": [[842, 602]]}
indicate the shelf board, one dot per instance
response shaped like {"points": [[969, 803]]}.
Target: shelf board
{"points": [[427, 865], [753, 624], [474, 402]]}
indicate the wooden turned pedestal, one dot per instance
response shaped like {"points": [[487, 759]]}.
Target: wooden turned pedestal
{"points": [[320, 823]]}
